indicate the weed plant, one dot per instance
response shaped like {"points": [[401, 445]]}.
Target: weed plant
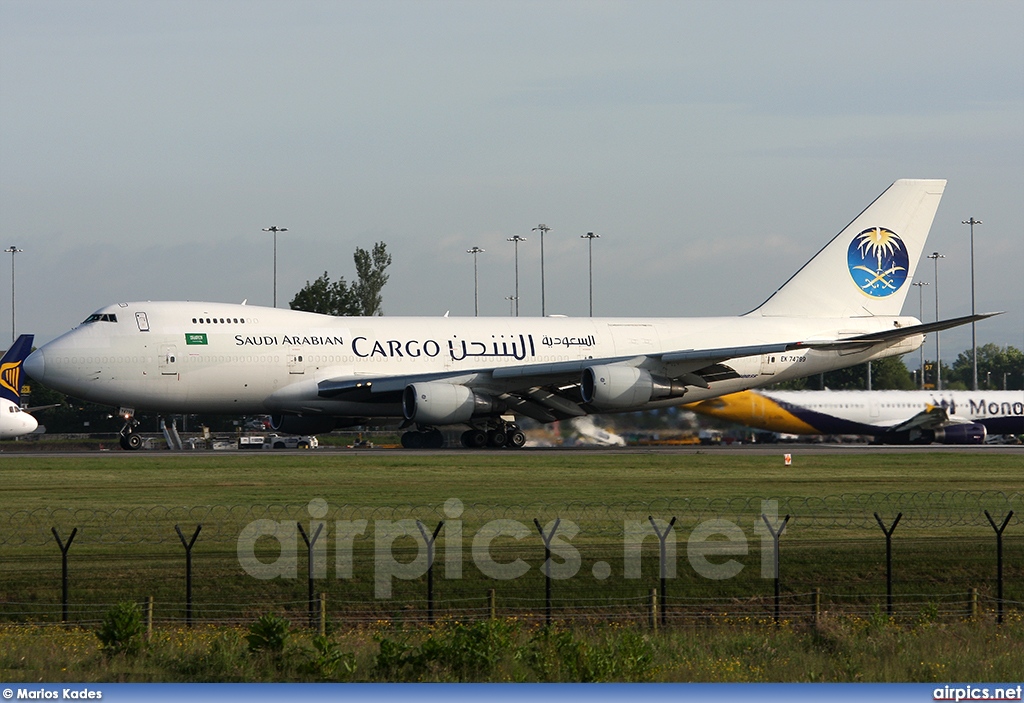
{"points": [[837, 649]]}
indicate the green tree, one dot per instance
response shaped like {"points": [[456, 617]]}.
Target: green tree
{"points": [[338, 298], [370, 272], [325, 297], [993, 362]]}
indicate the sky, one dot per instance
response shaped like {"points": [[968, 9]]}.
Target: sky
{"points": [[714, 147]]}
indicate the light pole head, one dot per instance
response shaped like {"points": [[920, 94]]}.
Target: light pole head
{"points": [[12, 250], [275, 229], [475, 250], [936, 255], [971, 221], [590, 235], [542, 228], [516, 238]]}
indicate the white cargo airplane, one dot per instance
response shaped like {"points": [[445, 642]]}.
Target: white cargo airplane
{"points": [[14, 422], [891, 417], [313, 372]]}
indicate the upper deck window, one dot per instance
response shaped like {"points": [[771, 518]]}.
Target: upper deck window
{"points": [[100, 317]]}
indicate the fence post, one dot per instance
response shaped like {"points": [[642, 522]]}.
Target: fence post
{"points": [[309, 552], [430, 566], [888, 558], [817, 606], [64, 569], [547, 565], [662, 536], [188, 570], [775, 538], [149, 618], [999, 561], [652, 610], [492, 602], [323, 614], [972, 601]]}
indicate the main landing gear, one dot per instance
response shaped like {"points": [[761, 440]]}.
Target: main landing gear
{"points": [[506, 434], [423, 439], [503, 435]]}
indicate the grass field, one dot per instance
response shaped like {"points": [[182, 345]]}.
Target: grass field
{"points": [[125, 507], [366, 478]]}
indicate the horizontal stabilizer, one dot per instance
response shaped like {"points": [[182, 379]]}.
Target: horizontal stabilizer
{"points": [[866, 340]]}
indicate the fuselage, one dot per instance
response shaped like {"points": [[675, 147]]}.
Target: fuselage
{"points": [[237, 359], [15, 422], [865, 412]]}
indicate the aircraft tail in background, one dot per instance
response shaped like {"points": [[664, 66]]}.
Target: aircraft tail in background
{"points": [[14, 422], [10, 368]]}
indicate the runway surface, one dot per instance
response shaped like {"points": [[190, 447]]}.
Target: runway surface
{"points": [[11, 449]]}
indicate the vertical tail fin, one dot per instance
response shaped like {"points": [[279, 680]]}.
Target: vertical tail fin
{"points": [[10, 368], [867, 268]]}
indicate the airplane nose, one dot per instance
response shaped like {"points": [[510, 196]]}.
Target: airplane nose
{"points": [[31, 424], [35, 365]]}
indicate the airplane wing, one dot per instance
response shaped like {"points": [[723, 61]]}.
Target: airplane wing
{"points": [[554, 391], [932, 417], [37, 408]]}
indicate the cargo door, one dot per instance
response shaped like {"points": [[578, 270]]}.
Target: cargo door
{"points": [[296, 364], [168, 360], [769, 364]]}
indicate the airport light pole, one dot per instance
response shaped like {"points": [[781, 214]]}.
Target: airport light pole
{"points": [[476, 281], [935, 256], [974, 329], [590, 237], [12, 250], [512, 300], [542, 228], [515, 239], [275, 229], [920, 315]]}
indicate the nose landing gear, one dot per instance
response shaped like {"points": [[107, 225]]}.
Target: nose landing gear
{"points": [[129, 438]]}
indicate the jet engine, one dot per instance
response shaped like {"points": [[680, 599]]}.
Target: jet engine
{"points": [[299, 424], [438, 403], [620, 387], [968, 433]]}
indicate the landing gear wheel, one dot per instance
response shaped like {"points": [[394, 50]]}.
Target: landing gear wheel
{"points": [[474, 439], [516, 439], [496, 438], [131, 441], [433, 439], [412, 440]]}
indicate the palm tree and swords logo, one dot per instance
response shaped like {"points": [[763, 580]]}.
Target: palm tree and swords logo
{"points": [[878, 262]]}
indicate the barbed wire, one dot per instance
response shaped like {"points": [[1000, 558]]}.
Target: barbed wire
{"points": [[802, 606], [154, 524]]}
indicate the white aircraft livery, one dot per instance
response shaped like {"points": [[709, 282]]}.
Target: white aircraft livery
{"points": [[14, 421], [891, 417], [314, 372]]}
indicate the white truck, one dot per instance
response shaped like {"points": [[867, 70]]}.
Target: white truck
{"points": [[276, 441]]}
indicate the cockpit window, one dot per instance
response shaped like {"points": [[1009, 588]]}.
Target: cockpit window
{"points": [[100, 317]]}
